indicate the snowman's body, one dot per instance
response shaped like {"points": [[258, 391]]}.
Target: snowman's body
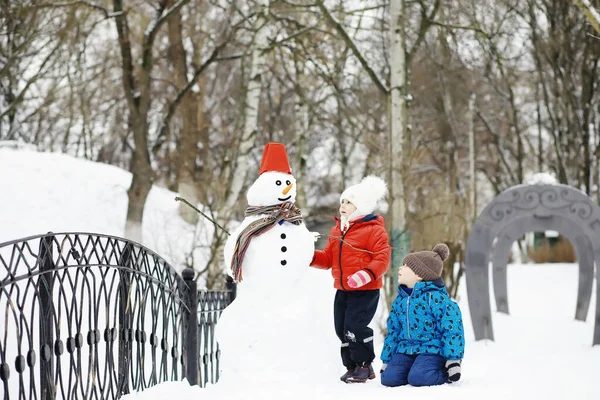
{"points": [[282, 254], [272, 303], [273, 317]]}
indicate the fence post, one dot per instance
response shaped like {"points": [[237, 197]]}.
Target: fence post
{"points": [[125, 312], [231, 288], [191, 328], [46, 317]]}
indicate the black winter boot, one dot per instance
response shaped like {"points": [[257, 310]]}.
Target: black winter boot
{"points": [[361, 374], [371, 372], [345, 376]]}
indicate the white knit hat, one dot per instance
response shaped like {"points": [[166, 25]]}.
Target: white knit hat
{"points": [[365, 194]]}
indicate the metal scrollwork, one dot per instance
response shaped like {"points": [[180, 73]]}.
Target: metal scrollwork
{"points": [[89, 316], [524, 199], [582, 210]]}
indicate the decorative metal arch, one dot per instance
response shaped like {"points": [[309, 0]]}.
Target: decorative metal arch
{"points": [[567, 228], [557, 207]]}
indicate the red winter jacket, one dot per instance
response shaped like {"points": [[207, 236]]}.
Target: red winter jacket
{"points": [[348, 255]]}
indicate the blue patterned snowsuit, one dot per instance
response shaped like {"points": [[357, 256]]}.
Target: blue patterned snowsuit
{"points": [[424, 330]]}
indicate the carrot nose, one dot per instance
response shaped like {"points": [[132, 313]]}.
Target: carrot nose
{"points": [[288, 188]]}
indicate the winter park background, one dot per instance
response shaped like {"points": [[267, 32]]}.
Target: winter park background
{"points": [[540, 350], [111, 109]]}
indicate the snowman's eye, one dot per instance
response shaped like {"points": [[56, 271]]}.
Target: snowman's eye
{"points": [[288, 182], [278, 183]]}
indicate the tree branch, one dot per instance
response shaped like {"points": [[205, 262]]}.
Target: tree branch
{"points": [[106, 13], [126, 57], [463, 27], [499, 147], [350, 43], [426, 23], [361, 10], [30, 82], [150, 34], [173, 106], [291, 37], [162, 15], [232, 57], [590, 12], [162, 19]]}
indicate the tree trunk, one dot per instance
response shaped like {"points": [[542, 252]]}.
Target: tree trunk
{"points": [[449, 136], [473, 186], [588, 77], [253, 93], [540, 156], [137, 90], [399, 136], [596, 166], [301, 124], [246, 143], [206, 167], [215, 272], [341, 143], [141, 183], [188, 144]]}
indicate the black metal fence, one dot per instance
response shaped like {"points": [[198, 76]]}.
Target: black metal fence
{"points": [[87, 316]]}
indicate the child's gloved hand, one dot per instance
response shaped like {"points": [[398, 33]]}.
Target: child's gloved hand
{"points": [[454, 370], [383, 367], [359, 279]]}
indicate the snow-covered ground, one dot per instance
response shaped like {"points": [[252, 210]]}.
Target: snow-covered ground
{"points": [[44, 192], [540, 350]]}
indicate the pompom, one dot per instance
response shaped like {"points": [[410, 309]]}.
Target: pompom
{"points": [[375, 186], [442, 250]]}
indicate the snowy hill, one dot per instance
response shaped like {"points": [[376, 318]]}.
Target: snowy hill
{"points": [[540, 350], [44, 192]]}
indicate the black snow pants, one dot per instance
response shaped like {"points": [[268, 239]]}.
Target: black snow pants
{"points": [[352, 312]]}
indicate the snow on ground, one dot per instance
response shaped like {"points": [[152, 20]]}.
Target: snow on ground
{"points": [[44, 192], [540, 350]]}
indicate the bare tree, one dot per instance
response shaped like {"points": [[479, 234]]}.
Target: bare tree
{"points": [[400, 140], [137, 85], [562, 68], [237, 172], [137, 89], [31, 40]]}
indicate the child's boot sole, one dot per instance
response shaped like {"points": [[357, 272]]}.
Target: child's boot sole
{"points": [[356, 380]]}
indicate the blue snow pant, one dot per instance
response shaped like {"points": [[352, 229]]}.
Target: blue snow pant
{"points": [[415, 370]]}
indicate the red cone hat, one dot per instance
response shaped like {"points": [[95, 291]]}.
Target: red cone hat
{"points": [[275, 159]]}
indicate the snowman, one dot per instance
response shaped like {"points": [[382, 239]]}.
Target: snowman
{"points": [[272, 241], [269, 255]]}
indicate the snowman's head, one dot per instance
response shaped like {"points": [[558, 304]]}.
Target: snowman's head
{"points": [[272, 188]]}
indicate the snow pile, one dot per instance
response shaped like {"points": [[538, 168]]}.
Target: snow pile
{"points": [[541, 178], [43, 192]]}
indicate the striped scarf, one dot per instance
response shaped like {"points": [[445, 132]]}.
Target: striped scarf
{"points": [[274, 214]]}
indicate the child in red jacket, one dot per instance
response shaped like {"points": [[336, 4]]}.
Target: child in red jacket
{"points": [[358, 255]]}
